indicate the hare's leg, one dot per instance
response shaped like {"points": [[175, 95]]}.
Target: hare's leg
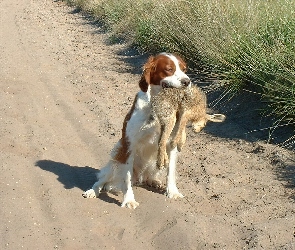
{"points": [[180, 136], [198, 125], [166, 129], [181, 141]]}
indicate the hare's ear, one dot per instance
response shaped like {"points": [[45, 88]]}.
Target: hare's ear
{"points": [[145, 79]]}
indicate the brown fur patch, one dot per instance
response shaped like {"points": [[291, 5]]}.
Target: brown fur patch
{"points": [[145, 79], [143, 83], [123, 152]]}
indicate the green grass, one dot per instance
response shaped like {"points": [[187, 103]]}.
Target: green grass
{"points": [[246, 43]]}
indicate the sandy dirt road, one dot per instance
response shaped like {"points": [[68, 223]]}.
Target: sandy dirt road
{"points": [[64, 93]]}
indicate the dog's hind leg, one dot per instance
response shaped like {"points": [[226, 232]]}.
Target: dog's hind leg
{"points": [[103, 177]]}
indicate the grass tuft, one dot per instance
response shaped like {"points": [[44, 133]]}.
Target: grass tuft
{"points": [[246, 43]]}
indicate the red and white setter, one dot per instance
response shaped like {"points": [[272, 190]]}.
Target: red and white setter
{"points": [[133, 159]]}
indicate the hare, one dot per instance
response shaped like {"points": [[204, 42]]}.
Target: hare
{"points": [[175, 107]]}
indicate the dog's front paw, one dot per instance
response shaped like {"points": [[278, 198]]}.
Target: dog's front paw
{"points": [[173, 193], [130, 204], [89, 194]]}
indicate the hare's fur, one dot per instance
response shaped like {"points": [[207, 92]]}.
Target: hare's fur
{"points": [[174, 107]]}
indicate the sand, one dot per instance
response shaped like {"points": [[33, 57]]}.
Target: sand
{"points": [[64, 92]]}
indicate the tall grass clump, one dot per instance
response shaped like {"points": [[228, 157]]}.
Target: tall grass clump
{"points": [[246, 43]]}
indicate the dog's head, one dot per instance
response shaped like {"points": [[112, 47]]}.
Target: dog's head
{"points": [[162, 71]]}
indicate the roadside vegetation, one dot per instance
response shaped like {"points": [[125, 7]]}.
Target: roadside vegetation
{"points": [[247, 44]]}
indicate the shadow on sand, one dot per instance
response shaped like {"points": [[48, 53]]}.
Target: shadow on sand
{"points": [[70, 176], [74, 176]]}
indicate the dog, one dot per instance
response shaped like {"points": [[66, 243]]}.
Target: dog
{"points": [[173, 108], [133, 158]]}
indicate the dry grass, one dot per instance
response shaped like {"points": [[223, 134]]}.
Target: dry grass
{"points": [[247, 42]]}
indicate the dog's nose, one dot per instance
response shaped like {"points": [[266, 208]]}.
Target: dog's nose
{"points": [[185, 82]]}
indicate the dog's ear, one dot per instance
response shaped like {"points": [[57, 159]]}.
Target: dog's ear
{"points": [[182, 63], [145, 79]]}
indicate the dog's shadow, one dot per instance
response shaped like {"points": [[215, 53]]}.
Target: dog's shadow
{"points": [[74, 176]]}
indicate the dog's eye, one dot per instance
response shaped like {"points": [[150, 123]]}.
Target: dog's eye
{"points": [[169, 69]]}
